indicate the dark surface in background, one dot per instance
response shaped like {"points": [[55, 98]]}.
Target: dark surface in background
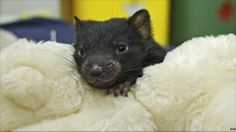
{"points": [[39, 29], [193, 18]]}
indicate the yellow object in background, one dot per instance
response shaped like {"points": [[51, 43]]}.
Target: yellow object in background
{"points": [[27, 15], [106, 9]]}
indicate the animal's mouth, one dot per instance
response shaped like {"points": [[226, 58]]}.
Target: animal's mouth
{"points": [[103, 81]]}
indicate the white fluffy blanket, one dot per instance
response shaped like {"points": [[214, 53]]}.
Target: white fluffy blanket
{"points": [[193, 89]]}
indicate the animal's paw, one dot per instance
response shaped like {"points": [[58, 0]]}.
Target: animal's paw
{"points": [[120, 89]]}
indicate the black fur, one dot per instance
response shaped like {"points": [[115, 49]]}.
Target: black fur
{"points": [[102, 39]]}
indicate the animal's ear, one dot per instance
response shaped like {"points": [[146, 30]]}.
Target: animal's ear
{"points": [[141, 21], [78, 23]]}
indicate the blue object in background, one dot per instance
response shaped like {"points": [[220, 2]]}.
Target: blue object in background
{"points": [[41, 29]]}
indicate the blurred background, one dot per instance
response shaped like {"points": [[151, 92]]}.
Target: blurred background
{"points": [[173, 22]]}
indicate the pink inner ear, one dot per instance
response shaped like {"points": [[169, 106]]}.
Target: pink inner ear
{"points": [[144, 30], [138, 21], [142, 23]]}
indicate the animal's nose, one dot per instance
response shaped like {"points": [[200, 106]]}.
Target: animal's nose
{"points": [[95, 70]]}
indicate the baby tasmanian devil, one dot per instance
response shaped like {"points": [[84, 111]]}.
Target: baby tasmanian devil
{"points": [[112, 54]]}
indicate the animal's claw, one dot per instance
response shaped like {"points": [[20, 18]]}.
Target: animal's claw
{"points": [[120, 89]]}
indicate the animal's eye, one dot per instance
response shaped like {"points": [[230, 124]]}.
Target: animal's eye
{"points": [[122, 48], [81, 52]]}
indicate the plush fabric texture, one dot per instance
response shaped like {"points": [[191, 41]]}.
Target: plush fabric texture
{"points": [[194, 89], [6, 38]]}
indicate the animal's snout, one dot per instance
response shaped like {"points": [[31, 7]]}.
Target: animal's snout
{"points": [[100, 71], [95, 70]]}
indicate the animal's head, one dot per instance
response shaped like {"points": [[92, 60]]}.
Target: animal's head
{"points": [[104, 50]]}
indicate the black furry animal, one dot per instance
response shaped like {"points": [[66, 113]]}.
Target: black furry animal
{"points": [[112, 54]]}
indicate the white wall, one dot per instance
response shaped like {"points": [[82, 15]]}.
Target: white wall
{"points": [[24, 8]]}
